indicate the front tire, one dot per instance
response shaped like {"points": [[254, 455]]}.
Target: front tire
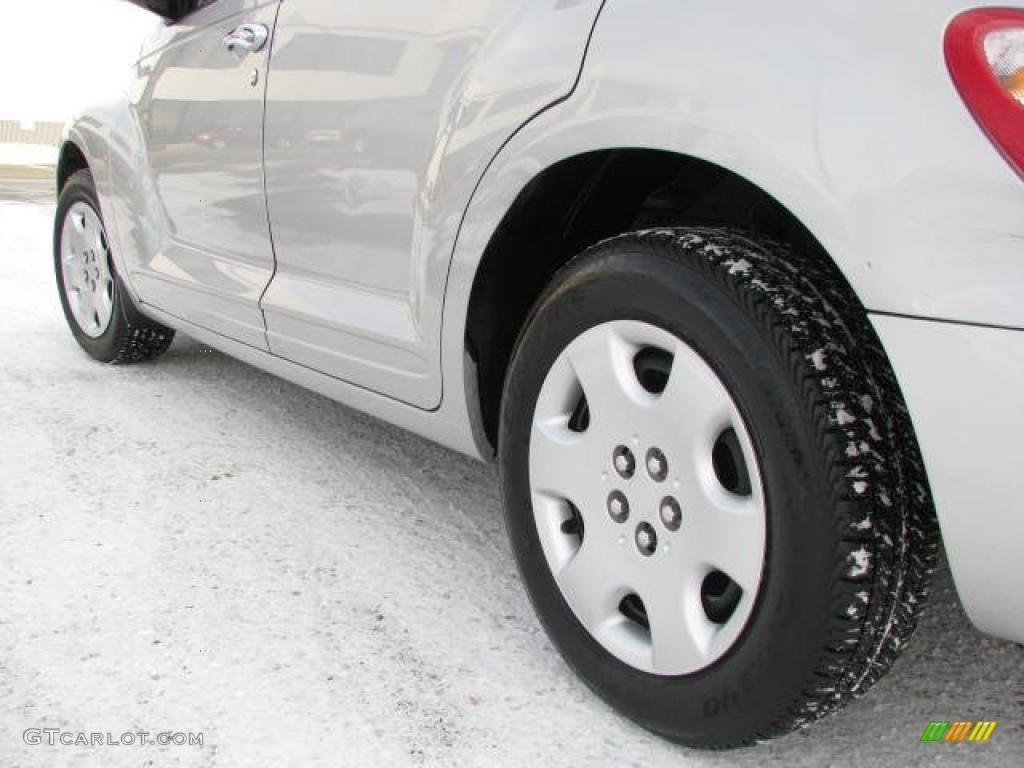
{"points": [[711, 486], [96, 304]]}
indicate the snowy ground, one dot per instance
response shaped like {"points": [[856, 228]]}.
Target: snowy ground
{"points": [[194, 545]]}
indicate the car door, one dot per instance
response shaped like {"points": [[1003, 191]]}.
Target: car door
{"points": [[198, 98], [381, 118]]}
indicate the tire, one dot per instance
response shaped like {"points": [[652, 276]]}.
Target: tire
{"points": [[105, 323], [849, 533]]}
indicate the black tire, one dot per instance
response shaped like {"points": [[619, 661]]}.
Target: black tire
{"points": [[130, 337], [852, 537]]}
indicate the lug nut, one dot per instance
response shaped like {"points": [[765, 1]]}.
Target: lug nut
{"points": [[657, 465], [624, 462], [618, 506], [646, 539], [671, 513]]}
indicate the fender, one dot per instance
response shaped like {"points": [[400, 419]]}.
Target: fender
{"points": [[98, 133], [791, 124]]}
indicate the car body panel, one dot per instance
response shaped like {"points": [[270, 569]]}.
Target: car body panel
{"points": [[199, 209], [845, 114], [444, 425], [788, 111], [380, 120], [969, 420]]}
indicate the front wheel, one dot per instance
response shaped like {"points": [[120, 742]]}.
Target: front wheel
{"points": [[96, 305], [711, 486]]}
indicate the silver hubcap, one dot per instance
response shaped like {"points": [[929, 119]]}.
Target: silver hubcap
{"points": [[85, 262], [649, 508]]}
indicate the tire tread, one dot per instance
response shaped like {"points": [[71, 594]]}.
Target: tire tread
{"points": [[886, 530]]}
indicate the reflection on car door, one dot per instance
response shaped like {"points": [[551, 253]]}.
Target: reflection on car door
{"points": [[199, 103], [367, 105]]}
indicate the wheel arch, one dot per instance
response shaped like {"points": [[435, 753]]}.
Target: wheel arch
{"points": [[581, 200], [71, 160]]}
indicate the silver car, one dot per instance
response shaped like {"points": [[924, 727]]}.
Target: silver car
{"points": [[732, 292]]}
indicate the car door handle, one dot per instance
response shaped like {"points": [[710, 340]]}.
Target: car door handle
{"points": [[248, 38]]}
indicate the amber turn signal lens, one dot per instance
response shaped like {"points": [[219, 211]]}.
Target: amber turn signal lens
{"points": [[1014, 83]]}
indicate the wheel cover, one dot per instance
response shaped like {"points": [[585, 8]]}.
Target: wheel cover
{"points": [[85, 265], [642, 522]]}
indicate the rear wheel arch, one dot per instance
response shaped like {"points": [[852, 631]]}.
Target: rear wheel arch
{"points": [[584, 199]]}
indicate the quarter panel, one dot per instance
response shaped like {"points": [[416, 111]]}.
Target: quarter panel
{"points": [[969, 419], [843, 112], [886, 168]]}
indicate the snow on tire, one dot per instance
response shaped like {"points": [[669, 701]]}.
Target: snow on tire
{"points": [[851, 533]]}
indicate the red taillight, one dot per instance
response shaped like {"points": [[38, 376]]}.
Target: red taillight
{"points": [[985, 55]]}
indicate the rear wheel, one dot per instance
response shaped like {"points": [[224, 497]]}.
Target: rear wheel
{"points": [[96, 306], [711, 486]]}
